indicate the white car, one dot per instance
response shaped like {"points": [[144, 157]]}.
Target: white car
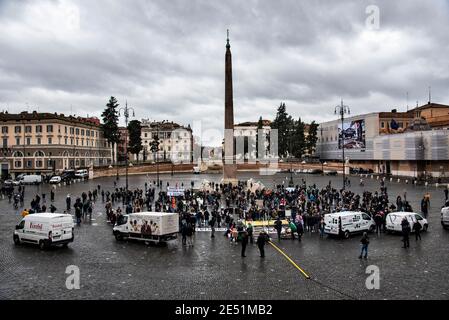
{"points": [[445, 217], [346, 223], [82, 173], [394, 220], [45, 229], [55, 179]]}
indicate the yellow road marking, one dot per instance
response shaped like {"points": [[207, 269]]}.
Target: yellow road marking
{"points": [[291, 261]]}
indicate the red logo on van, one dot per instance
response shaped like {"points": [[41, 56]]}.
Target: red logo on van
{"points": [[35, 226]]}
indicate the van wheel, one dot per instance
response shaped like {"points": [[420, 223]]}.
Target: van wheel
{"points": [[426, 226], [16, 240], [118, 237], [42, 245], [372, 228], [346, 234], [65, 245]]}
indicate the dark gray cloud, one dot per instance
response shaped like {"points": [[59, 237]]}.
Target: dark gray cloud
{"points": [[167, 57]]}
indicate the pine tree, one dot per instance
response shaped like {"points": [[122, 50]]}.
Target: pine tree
{"points": [[312, 137], [284, 124], [259, 127], [299, 141], [135, 139], [110, 122]]}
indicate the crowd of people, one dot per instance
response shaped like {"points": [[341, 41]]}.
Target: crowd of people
{"points": [[227, 206]]}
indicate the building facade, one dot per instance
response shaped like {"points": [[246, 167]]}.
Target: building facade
{"points": [[245, 135], [44, 143], [175, 141], [412, 143]]}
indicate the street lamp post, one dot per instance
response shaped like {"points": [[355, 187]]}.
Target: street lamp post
{"points": [[341, 110], [126, 110]]}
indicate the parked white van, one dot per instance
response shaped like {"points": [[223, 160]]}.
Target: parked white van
{"points": [[31, 179], [147, 226], [346, 223], [394, 220], [82, 173], [445, 217], [45, 229]]}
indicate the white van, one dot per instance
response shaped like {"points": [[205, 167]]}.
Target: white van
{"points": [[347, 222], [82, 173], [147, 226], [445, 217], [31, 179], [394, 220], [45, 229]]}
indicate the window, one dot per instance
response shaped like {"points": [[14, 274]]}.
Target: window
{"points": [[65, 140], [382, 124], [39, 129], [39, 163], [82, 132], [28, 129], [50, 128], [50, 163], [77, 131], [18, 164], [4, 129], [39, 140], [72, 130], [88, 133], [145, 135], [39, 154], [29, 164], [28, 141], [49, 140], [65, 130], [18, 141], [5, 143], [17, 129]]}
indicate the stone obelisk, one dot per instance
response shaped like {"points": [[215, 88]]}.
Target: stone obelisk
{"points": [[229, 166]]}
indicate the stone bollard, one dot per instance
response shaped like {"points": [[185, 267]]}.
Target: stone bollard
{"points": [[426, 184], [377, 177], [399, 180], [436, 184], [406, 181], [391, 179]]}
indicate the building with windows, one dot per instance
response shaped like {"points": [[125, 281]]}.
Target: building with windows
{"points": [[43, 143], [245, 135], [175, 141], [412, 143]]}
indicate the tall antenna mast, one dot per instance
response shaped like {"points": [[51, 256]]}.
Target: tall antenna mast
{"points": [[430, 94]]}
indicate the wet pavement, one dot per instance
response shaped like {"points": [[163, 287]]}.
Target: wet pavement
{"points": [[213, 268]]}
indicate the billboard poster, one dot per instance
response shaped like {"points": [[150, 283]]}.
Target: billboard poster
{"points": [[353, 135]]}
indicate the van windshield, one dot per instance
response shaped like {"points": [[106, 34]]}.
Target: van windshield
{"points": [[122, 220]]}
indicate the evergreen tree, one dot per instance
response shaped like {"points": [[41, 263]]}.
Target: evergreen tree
{"points": [[135, 139], [299, 141], [284, 124], [312, 137], [110, 122]]}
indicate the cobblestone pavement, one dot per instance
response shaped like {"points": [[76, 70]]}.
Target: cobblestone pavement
{"points": [[213, 268]]}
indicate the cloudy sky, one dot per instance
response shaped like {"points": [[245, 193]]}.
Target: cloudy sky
{"points": [[166, 58]]}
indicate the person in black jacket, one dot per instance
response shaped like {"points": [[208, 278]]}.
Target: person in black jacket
{"points": [[417, 228], [278, 227], [244, 242], [365, 243], [405, 232], [261, 240]]}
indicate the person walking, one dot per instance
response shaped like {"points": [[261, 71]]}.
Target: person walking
{"points": [[250, 230], [378, 219], [278, 227], [189, 234], [405, 232], [293, 229], [184, 234], [365, 243], [446, 194], [68, 202], [244, 239], [424, 206], [261, 240], [322, 225], [417, 229], [212, 225]]}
